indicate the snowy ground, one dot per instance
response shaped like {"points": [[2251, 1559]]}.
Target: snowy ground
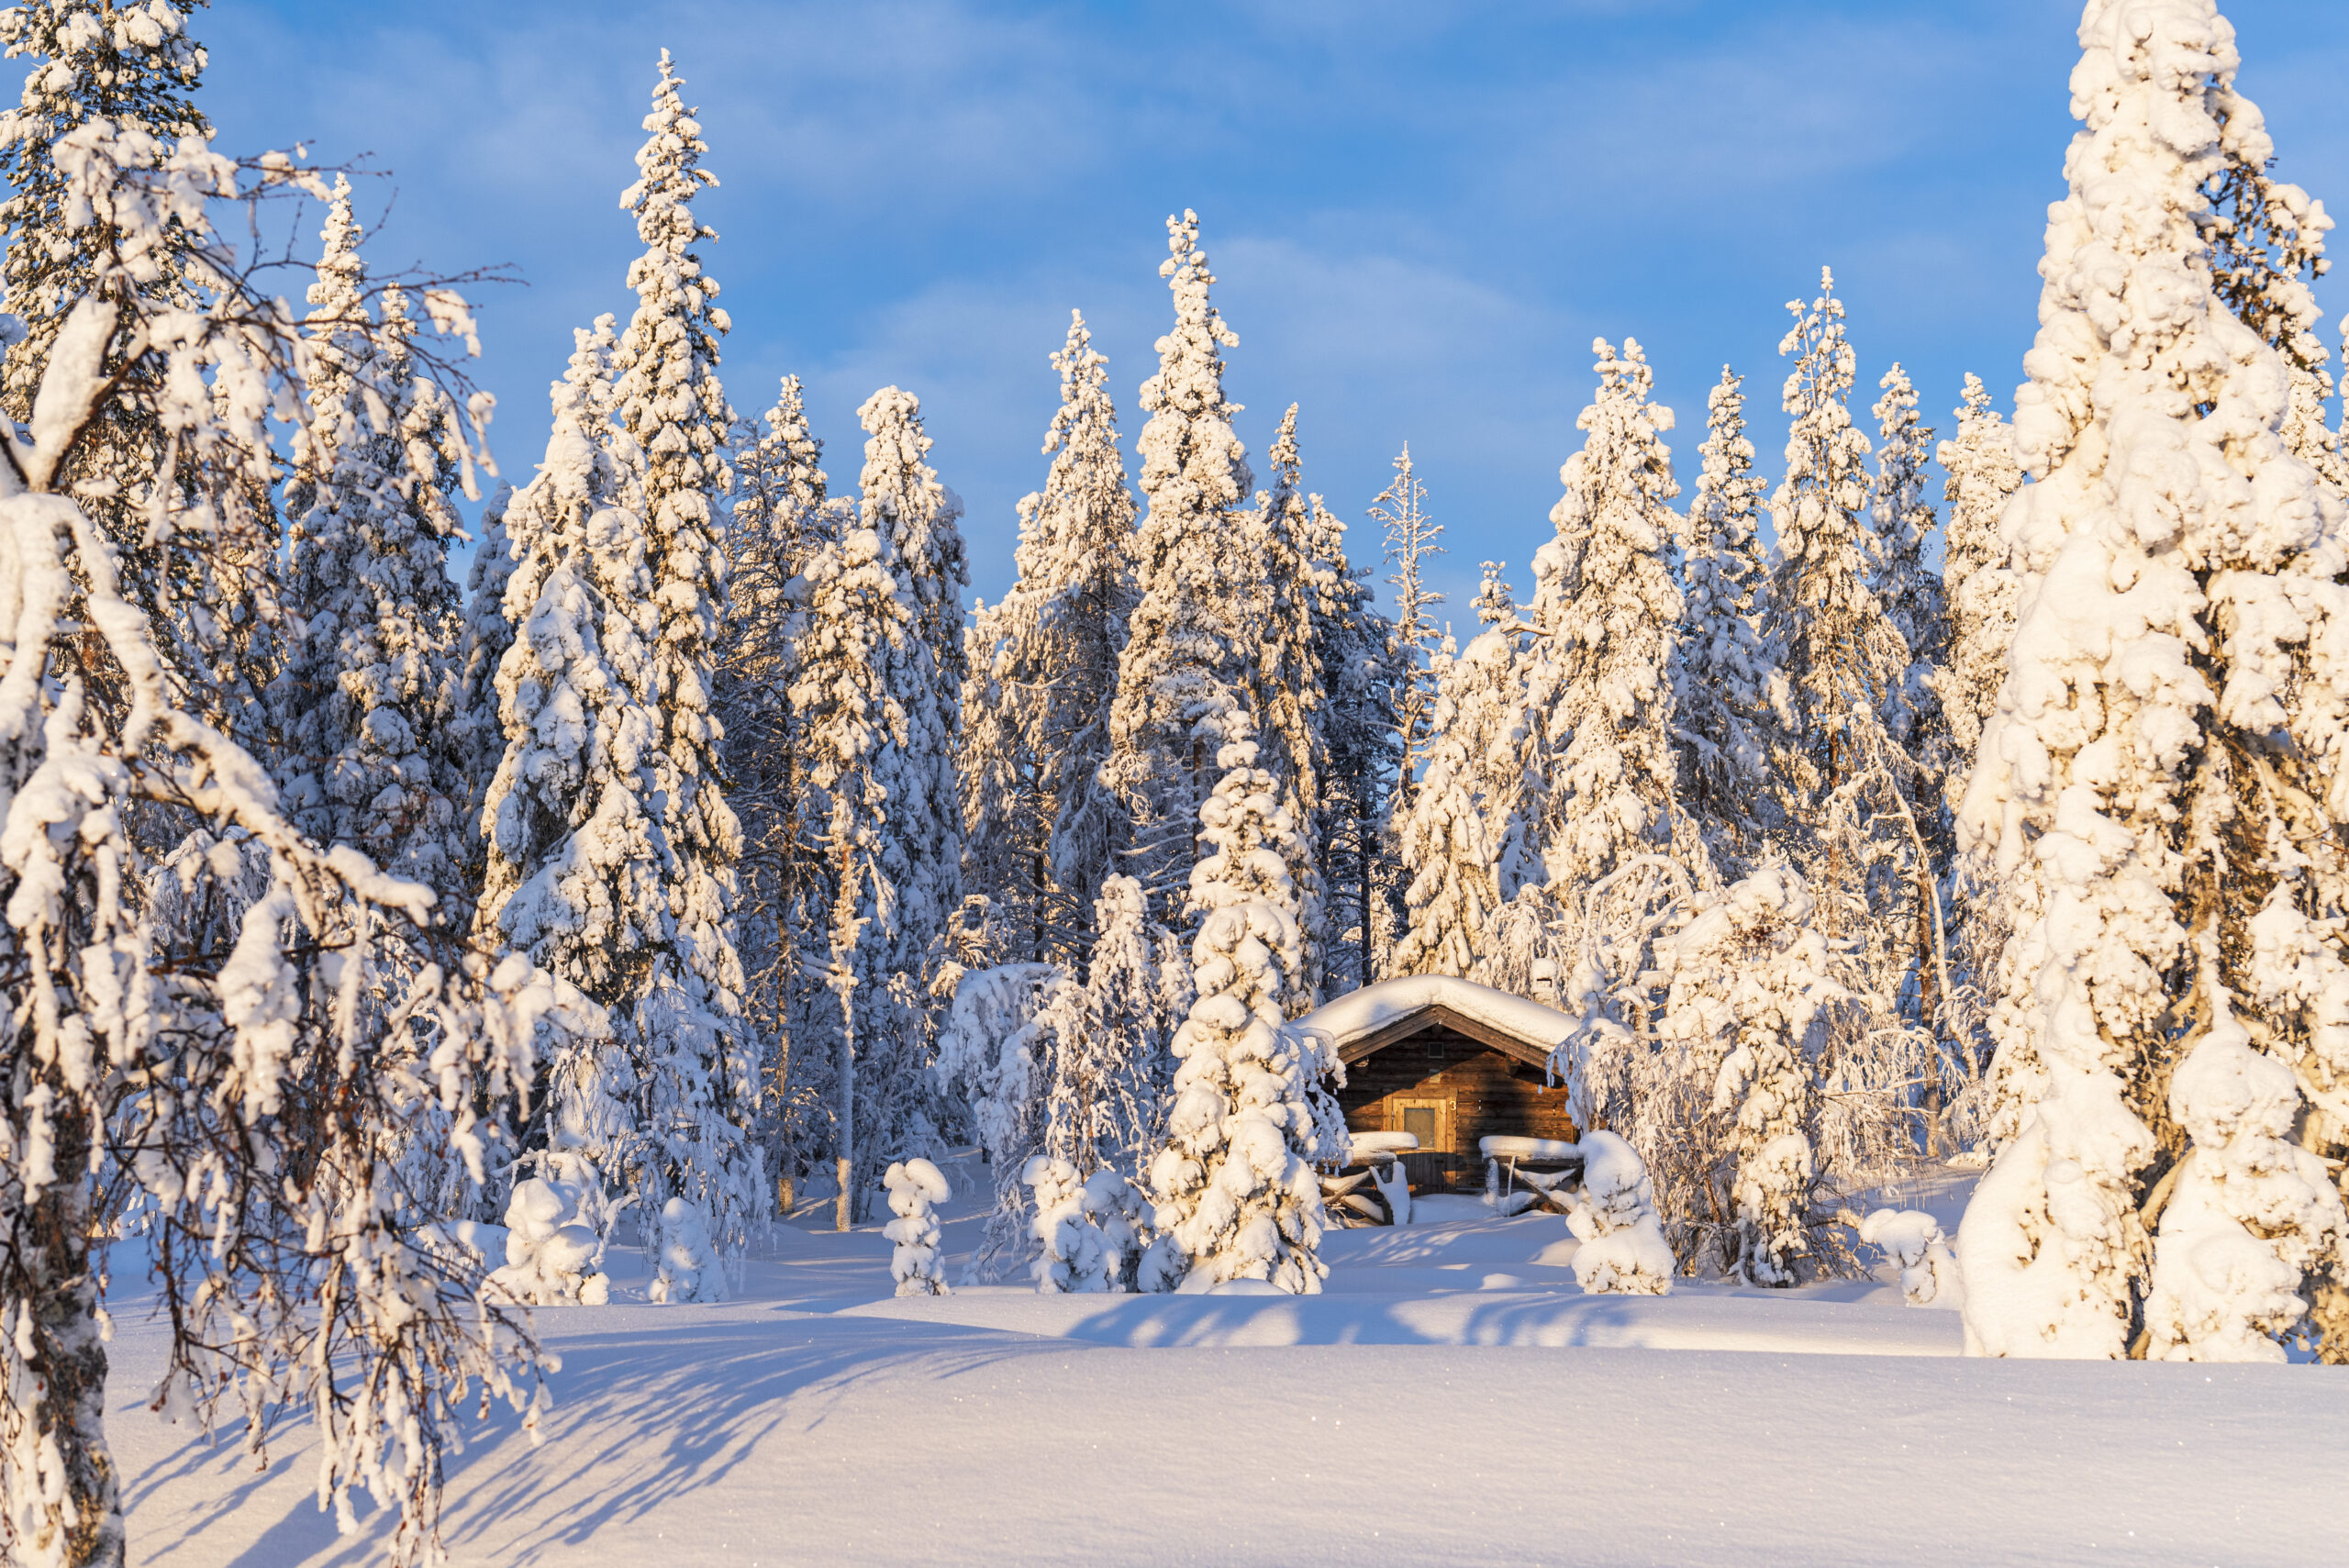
{"points": [[1452, 1399]]}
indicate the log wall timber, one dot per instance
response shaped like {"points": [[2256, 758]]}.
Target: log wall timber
{"points": [[1485, 1087]]}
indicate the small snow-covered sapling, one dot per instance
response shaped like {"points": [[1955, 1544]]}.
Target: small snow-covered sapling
{"points": [[1623, 1251], [686, 1266], [916, 1189]]}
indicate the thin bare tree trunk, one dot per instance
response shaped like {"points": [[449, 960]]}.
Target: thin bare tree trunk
{"points": [[53, 1284], [844, 1137]]}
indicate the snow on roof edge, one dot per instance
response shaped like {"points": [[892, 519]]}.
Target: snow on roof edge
{"points": [[1358, 1013]]}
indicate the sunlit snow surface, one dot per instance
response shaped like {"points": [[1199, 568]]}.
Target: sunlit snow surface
{"points": [[1453, 1398]]}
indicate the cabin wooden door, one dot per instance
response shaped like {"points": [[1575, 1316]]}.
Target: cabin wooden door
{"points": [[1430, 1120]]}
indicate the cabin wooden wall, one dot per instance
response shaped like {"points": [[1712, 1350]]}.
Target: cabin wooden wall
{"points": [[1490, 1094]]}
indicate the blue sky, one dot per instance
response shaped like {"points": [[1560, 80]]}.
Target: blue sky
{"points": [[1420, 213]]}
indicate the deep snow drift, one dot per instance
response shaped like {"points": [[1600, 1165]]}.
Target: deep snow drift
{"points": [[1452, 1399]]}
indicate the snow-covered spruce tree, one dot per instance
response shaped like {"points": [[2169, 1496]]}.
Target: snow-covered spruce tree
{"points": [[2305, 433], [137, 70], [1597, 689], [228, 1083], [699, 1054], [1283, 686], [1354, 648], [1401, 510], [365, 701], [1982, 589], [571, 875], [1721, 671], [1846, 780], [134, 69], [778, 519], [902, 503], [1462, 841], [1235, 1189], [1496, 601], [2161, 787], [1905, 583], [1049, 661], [1982, 474], [1727, 1113], [1180, 674], [1007, 854], [875, 708]]}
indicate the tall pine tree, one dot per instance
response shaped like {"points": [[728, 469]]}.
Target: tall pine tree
{"points": [[1982, 474], [1402, 510], [1604, 614], [700, 1090], [1047, 661], [1284, 683], [1181, 682], [1722, 671], [366, 698]]}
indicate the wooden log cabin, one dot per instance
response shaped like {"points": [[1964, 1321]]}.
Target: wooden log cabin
{"points": [[1450, 1062]]}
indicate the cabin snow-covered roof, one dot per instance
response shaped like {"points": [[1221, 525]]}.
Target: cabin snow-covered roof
{"points": [[1361, 1022]]}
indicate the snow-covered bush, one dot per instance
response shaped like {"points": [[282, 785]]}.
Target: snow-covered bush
{"points": [[1913, 1240], [686, 1266], [1127, 1220], [995, 1055], [1728, 1106], [554, 1246], [916, 1189], [1613, 1213], [1092, 1233]]}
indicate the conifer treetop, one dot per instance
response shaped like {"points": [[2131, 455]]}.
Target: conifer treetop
{"points": [[1193, 463], [136, 68]]}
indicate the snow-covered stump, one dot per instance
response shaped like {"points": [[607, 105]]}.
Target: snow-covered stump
{"points": [[555, 1250], [1613, 1215], [686, 1267], [1913, 1240], [916, 1189]]}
